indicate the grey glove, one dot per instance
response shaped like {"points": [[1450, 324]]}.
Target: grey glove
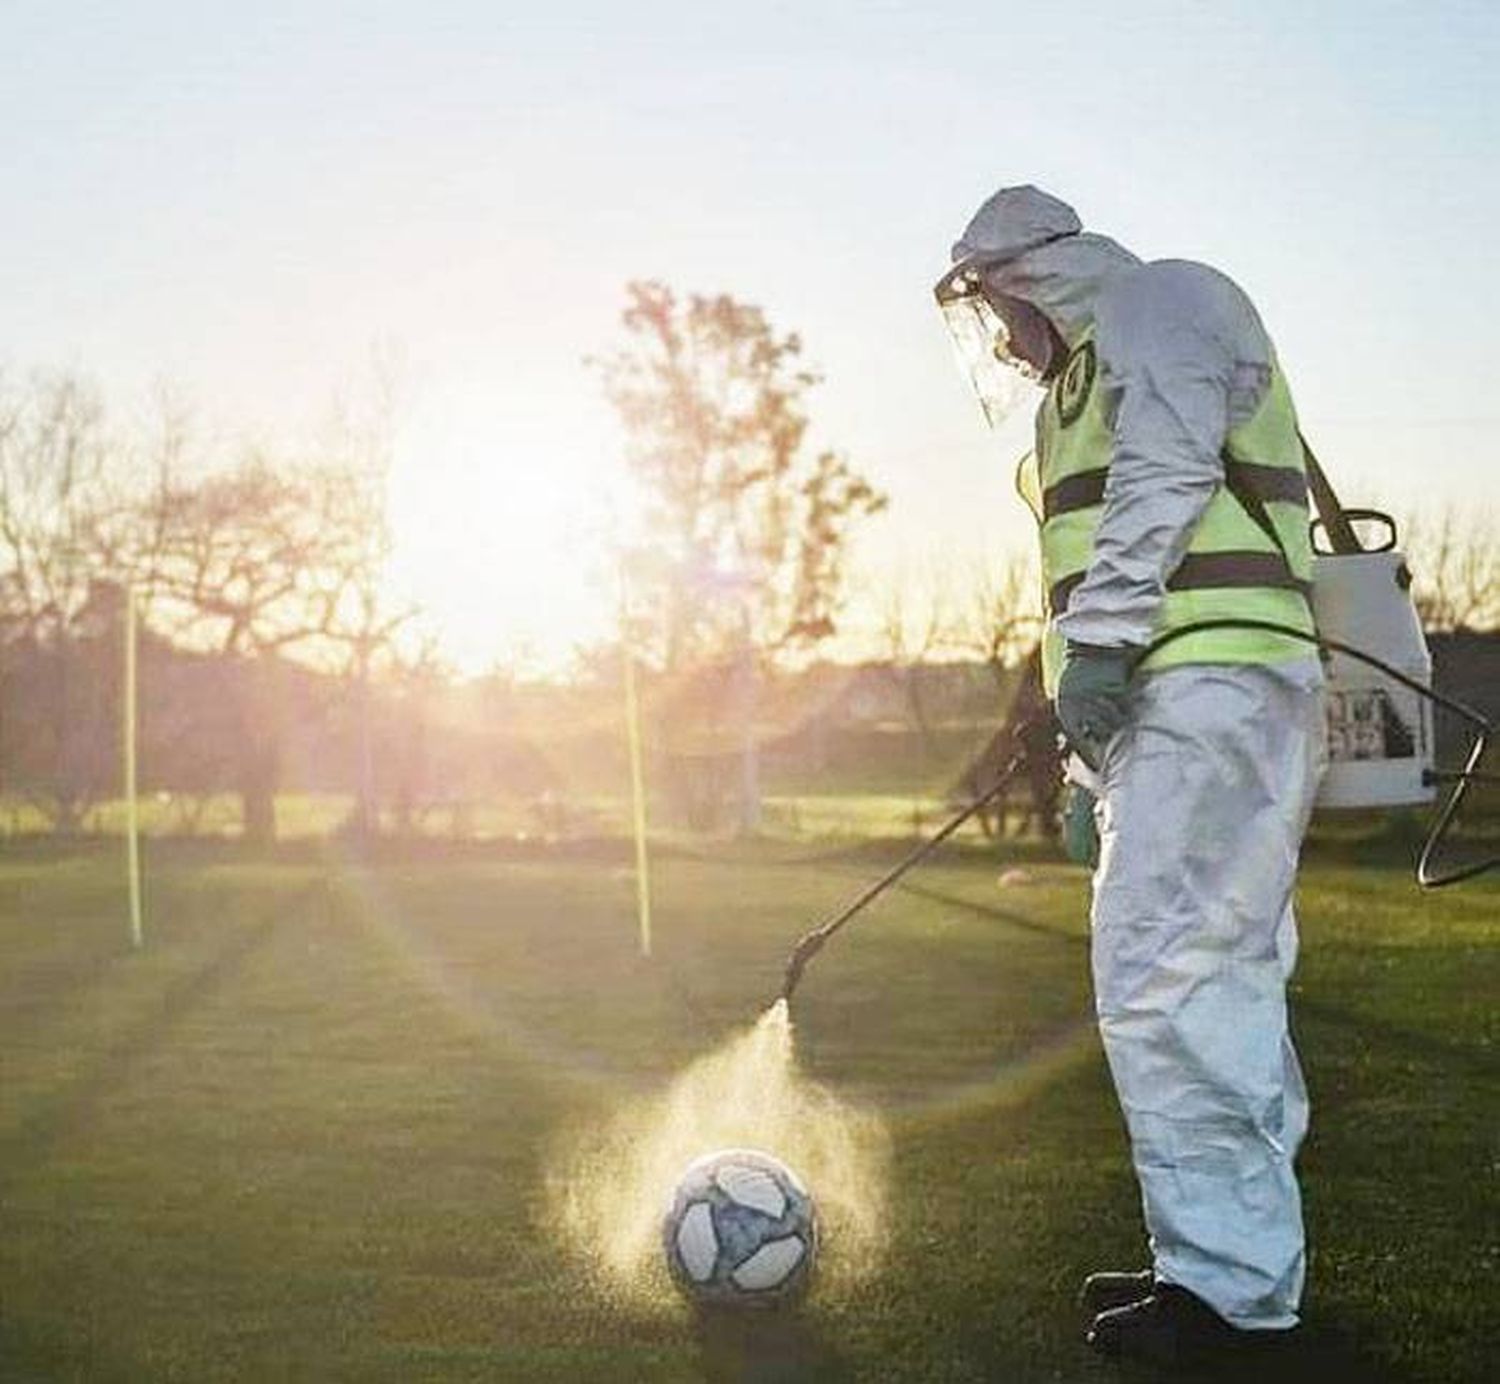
{"points": [[1093, 698]]}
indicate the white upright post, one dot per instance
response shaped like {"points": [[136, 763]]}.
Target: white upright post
{"points": [[132, 807], [637, 775], [749, 745]]}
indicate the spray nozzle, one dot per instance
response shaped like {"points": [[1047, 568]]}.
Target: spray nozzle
{"points": [[802, 953]]}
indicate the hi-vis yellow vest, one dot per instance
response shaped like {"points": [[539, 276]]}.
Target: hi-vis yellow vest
{"points": [[1233, 568]]}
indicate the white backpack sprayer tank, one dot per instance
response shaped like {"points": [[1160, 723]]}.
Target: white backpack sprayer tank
{"points": [[1380, 734], [1380, 697]]}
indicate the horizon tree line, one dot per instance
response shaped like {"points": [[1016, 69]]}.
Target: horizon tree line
{"points": [[264, 569]]}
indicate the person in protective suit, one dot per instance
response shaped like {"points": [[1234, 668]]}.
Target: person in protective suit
{"points": [[1168, 482]]}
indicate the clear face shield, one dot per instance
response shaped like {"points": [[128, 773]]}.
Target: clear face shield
{"points": [[981, 340]]}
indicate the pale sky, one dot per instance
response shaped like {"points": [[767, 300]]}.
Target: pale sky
{"points": [[246, 200]]}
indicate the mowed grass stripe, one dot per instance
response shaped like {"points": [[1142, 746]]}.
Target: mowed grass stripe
{"points": [[326, 1162]]}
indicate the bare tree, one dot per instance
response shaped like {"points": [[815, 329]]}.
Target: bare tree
{"points": [[53, 452], [714, 404], [1455, 562], [248, 565], [1029, 727], [916, 624], [54, 462], [251, 564], [416, 675], [1001, 623], [1001, 620], [364, 623]]}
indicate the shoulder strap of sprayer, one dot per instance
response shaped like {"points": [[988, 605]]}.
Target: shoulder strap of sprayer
{"points": [[1341, 535], [1251, 503], [1255, 507]]}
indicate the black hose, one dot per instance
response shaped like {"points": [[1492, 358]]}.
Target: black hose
{"points": [[813, 942], [1462, 779]]}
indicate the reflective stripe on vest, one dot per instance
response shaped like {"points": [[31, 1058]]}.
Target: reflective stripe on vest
{"points": [[1265, 483], [1201, 571], [1249, 556]]}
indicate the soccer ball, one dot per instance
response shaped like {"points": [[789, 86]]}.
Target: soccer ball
{"points": [[741, 1232]]}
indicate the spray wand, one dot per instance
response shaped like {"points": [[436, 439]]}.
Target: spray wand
{"points": [[1428, 875], [813, 942]]}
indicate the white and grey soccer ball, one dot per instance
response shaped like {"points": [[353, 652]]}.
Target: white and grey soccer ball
{"points": [[741, 1232]]}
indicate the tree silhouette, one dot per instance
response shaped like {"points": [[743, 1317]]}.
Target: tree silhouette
{"points": [[748, 529]]}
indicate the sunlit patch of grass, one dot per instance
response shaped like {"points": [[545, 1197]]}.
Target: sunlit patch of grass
{"points": [[306, 1133]]}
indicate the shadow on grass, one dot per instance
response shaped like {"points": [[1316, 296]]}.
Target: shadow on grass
{"points": [[999, 915], [1410, 1042], [1318, 1353], [52, 1117], [29, 1357], [1325, 1351], [766, 1348], [51, 986]]}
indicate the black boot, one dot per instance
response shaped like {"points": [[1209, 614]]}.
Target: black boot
{"points": [[1102, 1292], [1172, 1327]]}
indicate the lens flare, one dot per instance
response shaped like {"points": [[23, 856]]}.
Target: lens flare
{"points": [[612, 1181]]}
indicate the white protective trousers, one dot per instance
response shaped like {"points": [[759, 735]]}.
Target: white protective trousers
{"points": [[1205, 798]]}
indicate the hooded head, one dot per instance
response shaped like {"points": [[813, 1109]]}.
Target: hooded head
{"points": [[1027, 245]]}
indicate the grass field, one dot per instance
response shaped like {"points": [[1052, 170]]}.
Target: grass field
{"points": [[303, 1135]]}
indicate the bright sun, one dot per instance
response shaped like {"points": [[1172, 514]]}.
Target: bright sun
{"points": [[501, 511]]}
